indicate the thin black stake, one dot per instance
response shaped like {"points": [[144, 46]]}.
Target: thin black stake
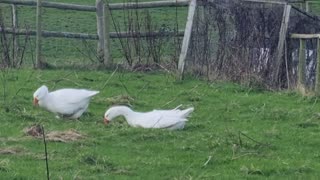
{"points": [[45, 151]]}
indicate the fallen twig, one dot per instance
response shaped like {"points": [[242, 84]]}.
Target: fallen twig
{"points": [[162, 67], [209, 159], [251, 139]]}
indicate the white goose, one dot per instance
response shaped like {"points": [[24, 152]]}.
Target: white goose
{"points": [[170, 119], [69, 103]]}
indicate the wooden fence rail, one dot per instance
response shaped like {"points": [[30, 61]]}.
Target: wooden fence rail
{"points": [[48, 4], [153, 4], [113, 6], [103, 23], [55, 34]]}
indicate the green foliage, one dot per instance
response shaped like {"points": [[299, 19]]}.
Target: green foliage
{"points": [[234, 132]]}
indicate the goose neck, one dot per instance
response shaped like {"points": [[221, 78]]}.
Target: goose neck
{"points": [[125, 111]]}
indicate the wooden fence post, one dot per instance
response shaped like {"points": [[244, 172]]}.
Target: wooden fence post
{"points": [[282, 38], [302, 66], [317, 85], [14, 36], [103, 42], [186, 38], [39, 34], [107, 17], [307, 8]]}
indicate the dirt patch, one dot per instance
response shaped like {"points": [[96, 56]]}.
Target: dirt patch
{"points": [[64, 136], [35, 130], [59, 136]]}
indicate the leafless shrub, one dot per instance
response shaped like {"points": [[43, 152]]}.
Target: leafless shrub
{"points": [[139, 50], [5, 48], [89, 51], [10, 55], [154, 44]]}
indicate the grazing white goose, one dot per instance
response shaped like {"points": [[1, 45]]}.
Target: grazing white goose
{"points": [[170, 119], [69, 103]]}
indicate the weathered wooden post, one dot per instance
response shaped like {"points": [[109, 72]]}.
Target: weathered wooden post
{"points": [[302, 66], [14, 37], [317, 85], [107, 26], [103, 32], [186, 37], [282, 38], [39, 34]]}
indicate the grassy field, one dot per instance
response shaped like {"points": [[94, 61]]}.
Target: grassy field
{"points": [[234, 132]]}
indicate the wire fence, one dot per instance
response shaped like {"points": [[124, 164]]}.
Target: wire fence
{"points": [[303, 24], [236, 41], [239, 41], [231, 40], [60, 52]]}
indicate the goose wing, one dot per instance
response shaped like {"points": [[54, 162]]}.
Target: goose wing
{"points": [[72, 96], [157, 119], [68, 102]]}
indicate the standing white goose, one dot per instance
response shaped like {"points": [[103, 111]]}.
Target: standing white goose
{"points": [[69, 103], [170, 119]]}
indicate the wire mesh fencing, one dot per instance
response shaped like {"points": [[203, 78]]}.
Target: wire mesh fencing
{"points": [[239, 41]]}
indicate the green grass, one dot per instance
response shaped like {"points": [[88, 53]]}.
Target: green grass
{"points": [[248, 133]]}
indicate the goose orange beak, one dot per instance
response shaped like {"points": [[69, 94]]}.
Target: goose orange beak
{"points": [[106, 121], [35, 102]]}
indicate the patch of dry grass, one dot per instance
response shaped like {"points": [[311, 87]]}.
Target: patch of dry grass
{"points": [[59, 136], [11, 150], [64, 136]]}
